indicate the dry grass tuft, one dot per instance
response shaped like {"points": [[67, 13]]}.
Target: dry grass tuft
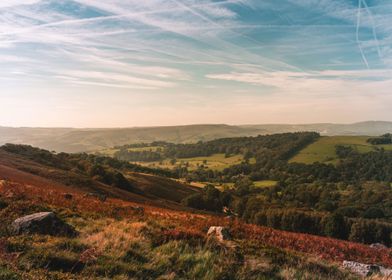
{"points": [[113, 236]]}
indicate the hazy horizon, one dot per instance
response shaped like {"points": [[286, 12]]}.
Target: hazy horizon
{"points": [[128, 63], [196, 124]]}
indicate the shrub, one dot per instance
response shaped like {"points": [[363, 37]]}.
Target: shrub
{"points": [[351, 212], [210, 199], [6, 274], [290, 220], [335, 226], [3, 204], [373, 213], [370, 232]]}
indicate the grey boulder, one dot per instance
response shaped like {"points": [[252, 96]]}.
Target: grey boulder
{"points": [[366, 270], [42, 223]]}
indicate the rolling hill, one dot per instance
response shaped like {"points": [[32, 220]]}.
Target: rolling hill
{"points": [[81, 140], [368, 128], [84, 140], [146, 188]]}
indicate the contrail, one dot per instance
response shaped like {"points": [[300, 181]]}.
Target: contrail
{"points": [[357, 34], [110, 17], [192, 10], [374, 28]]}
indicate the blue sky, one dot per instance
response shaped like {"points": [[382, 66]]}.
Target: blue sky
{"points": [[97, 63]]}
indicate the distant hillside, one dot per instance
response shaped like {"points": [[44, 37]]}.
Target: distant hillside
{"points": [[81, 140], [369, 128]]}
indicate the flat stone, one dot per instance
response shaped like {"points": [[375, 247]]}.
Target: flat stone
{"points": [[378, 246], [366, 270], [42, 223]]}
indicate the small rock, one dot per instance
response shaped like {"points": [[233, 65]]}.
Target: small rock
{"points": [[362, 269], [378, 246], [386, 272], [42, 223], [220, 233]]}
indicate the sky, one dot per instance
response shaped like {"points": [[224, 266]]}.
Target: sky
{"points": [[123, 63]]}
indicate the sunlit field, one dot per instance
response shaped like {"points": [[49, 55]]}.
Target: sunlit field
{"points": [[323, 150]]}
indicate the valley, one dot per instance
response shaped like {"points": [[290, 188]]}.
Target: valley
{"points": [[144, 232], [136, 205], [187, 140]]}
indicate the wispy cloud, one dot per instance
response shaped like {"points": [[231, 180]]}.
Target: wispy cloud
{"points": [[14, 58], [13, 3], [119, 79], [310, 83], [187, 50]]}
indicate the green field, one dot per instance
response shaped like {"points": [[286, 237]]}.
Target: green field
{"points": [[215, 162], [141, 149], [112, 151], [222, 186], [323, 150], [265, 183]]}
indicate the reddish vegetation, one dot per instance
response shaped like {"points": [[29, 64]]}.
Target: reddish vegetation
{"points": [[194, 226], [5, 255], [325, 248], [175, 234]]}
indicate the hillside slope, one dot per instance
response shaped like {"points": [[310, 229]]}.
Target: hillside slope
{"points": [[117, 241], [143, 232], [368, 128], [146, 188]]}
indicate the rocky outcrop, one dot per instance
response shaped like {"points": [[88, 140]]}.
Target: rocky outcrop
{"points": [[221, 234], [42, 223], [366, 270]]}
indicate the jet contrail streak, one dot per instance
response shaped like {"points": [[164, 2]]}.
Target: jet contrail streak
{"points": [[357, 34], [373, 27]]}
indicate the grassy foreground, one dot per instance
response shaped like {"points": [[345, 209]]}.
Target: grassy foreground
{"points": [[118, 241]]}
